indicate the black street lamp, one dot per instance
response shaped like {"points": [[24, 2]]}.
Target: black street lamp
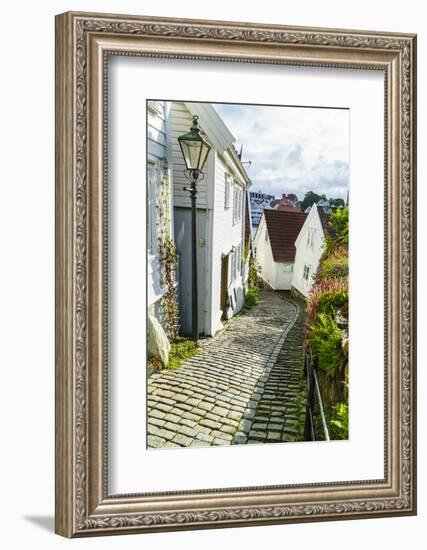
{"points": [[195, 149]]}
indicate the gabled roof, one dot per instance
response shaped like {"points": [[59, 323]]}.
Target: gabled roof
{"points": [[283, 229]]}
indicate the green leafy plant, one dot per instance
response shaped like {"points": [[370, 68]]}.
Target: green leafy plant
{"points": [[324, 338], [334, 265], [339, 223], [254, 273], [327, 305], [339, 421], [327, 296], [251, 297]]}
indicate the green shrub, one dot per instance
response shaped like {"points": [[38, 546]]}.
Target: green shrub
{"points": [[338, 236], [327, 296], [334, 266], [254, 273], [251, 297], [324, 338], [339, 223]]}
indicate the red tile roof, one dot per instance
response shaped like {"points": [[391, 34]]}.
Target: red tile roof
{"points": [[283, 229], [284, 208]]}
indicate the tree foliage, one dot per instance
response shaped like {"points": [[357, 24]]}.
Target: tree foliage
{"points": [[310, 198]]}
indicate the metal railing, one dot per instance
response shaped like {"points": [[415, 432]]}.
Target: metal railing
{"points": [[314, 396]]}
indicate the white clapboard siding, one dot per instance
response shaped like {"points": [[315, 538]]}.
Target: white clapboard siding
{"points": [[229, 235], [156, 132], [225, 236], [181, 122]]}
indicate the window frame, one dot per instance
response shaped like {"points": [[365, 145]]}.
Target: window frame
{"points": [[227, 190]]}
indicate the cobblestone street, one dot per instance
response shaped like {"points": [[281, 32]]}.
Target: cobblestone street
{"points": [[239, 388]]}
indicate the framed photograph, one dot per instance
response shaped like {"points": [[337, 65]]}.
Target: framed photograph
{"points": [[235, 274]]}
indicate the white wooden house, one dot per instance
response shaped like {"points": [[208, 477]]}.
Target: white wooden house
{"points": [[274, 246], [309, 249], [159, 200], [220, 220]]}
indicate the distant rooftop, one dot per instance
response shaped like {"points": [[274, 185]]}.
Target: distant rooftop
{"points": [[283, 229]]}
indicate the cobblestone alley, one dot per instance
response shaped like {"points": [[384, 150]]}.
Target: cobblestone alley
{"points": [[239, 388]]}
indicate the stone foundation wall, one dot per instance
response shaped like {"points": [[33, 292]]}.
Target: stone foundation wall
{"points": [[297, 294]]}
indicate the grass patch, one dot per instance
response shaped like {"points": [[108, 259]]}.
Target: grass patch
{"points": [[181, 350]]}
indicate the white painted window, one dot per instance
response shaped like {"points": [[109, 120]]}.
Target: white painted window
{"points": [[237, 204], [288, 268], [306, 272], [227, 191], [310, 238], [151, 209]]}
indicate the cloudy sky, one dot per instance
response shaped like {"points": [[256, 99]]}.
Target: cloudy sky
{"points": [[292, 149]]}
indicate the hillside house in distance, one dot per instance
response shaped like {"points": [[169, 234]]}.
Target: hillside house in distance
{"points": [[286, 203], [309, 248], [220, 221], [274, 246], [258, 202]]}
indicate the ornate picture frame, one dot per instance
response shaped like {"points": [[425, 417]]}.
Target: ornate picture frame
{"points": [[83, 43]]}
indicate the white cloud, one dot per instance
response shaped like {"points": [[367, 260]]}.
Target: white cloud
{"points": [[292, 149]]}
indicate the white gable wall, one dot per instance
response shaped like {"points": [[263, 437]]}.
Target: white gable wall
{"points": [[264, 254], [278, 275], [308, 252]]}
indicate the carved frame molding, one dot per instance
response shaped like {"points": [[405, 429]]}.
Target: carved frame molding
{"points": [[83, 43]]}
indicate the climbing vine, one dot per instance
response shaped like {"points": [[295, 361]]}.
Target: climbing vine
{"points": [[167, 257]]}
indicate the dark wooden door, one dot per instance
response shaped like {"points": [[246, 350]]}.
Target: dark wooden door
{"points": [[224, 283]]}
